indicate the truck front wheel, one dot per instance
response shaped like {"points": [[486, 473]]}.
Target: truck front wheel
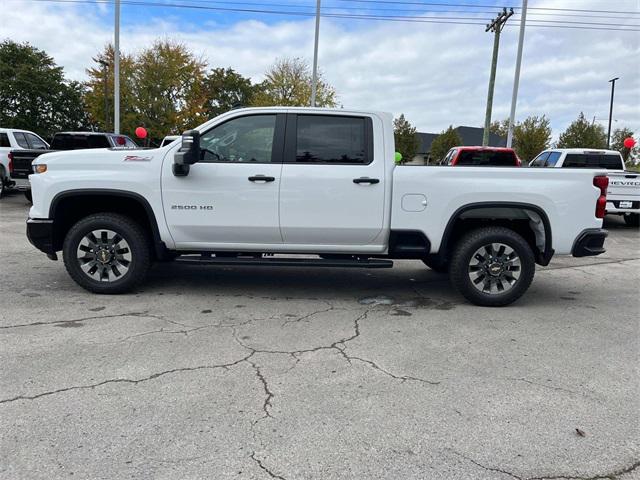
{"points": [[106, 253], [492, 266]]}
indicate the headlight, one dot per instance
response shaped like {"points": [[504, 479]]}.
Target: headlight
{"points": [[39, 168]]}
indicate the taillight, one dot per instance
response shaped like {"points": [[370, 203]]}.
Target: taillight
{"points": [[602, 182], [10, 156]]}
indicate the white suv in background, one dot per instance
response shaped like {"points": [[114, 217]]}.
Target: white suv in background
{"points": [[623, 195], [12, 139]]}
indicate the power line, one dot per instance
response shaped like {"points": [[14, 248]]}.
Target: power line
{"points": [[469, 5], [408, 19]]}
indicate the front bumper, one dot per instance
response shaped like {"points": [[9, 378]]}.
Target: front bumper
{"points": [[22, 184], [590, 242], [40, 234]]}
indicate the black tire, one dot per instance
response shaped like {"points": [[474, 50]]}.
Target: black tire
{"points": [[436, 264], [463, 268], [137, 246], [632, 219], [27, 194]]}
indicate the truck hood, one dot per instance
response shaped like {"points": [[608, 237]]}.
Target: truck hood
{"points": [[91, 158]]}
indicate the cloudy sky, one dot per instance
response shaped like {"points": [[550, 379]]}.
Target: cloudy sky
{"points": [[435, 73]]}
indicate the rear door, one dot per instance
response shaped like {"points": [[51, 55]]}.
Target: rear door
{"points": [[332, 188]]}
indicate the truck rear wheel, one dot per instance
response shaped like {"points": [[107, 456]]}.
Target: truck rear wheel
{"points": [[632, 219], [492, 266], [107, 253]]}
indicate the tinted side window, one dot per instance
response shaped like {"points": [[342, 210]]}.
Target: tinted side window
{"points": [[243, 139], [592, 160], [35, 142], [4, 140], [331, 139], [97, 141], [62, 142], [492, 158], [21, 139], [553, 159], [539, 161]]}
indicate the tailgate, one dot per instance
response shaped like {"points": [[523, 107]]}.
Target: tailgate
{"points": [[22, 163], [624, 184]]}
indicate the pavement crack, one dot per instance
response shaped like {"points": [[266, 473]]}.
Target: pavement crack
{"points": [[266, 405], [153, 376], [265, 468], [375, 366], [145, 314], [605, 476], [309, 315], [489, 469]]}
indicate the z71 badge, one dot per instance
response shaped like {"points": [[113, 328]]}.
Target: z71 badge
{"points": [[191, 207]]}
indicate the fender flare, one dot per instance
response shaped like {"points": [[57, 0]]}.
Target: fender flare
{"points": [[542, 258]]}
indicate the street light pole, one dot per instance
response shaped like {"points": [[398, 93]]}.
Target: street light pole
{"points": [[116, 71], [314, 81], [613, 87], [516, 78]]}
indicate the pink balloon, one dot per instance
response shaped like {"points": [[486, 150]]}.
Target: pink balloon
{"points": [[629, 142], [141, 132]]}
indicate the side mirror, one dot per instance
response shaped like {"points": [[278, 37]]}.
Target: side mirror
{"points": [[188, 154]]}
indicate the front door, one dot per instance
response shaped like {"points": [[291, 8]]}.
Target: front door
{"points": [[333, 186], [230, 197]]}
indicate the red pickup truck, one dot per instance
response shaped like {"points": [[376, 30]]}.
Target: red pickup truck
{"points": [[481, 156]]}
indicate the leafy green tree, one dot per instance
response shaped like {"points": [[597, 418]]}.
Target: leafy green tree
{"points": [[34, 94], [582, 134], [406, 140], [288, 83], [444, 142], [99, 103], [168, 85], [500, 127], [617, 141], [223, 89], [161, 88], [531, 137]]}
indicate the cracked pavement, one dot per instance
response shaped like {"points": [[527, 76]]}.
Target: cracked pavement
{"points": [[275, 373]]}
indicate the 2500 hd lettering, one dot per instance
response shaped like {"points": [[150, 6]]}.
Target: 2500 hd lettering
{"points": [[307, 187]]}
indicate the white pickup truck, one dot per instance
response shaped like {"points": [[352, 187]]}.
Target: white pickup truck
{"points": [[307, 187], [15, 139], [623, 196]]}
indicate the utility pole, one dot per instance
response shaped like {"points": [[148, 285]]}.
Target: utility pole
{"points": [[516, 78], [105, 65], [314, 81], [496, 27], [613, 86], [116, 71]]}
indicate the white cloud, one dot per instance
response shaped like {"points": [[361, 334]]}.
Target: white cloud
{"points": [[436, 74]]}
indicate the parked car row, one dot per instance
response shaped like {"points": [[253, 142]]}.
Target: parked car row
{"points": [[19, 148], [624, 187]]}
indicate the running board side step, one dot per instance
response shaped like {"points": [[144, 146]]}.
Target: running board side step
{"points": [[286, 262]]}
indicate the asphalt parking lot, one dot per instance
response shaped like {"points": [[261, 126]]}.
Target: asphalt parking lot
{"points": [[259, 373]]}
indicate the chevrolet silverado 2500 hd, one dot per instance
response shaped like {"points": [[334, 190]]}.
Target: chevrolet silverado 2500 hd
{"points": [[253, 183]]}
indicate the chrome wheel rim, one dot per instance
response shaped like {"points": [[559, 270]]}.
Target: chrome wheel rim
{"points": [[104, 255], [494, 268]]}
